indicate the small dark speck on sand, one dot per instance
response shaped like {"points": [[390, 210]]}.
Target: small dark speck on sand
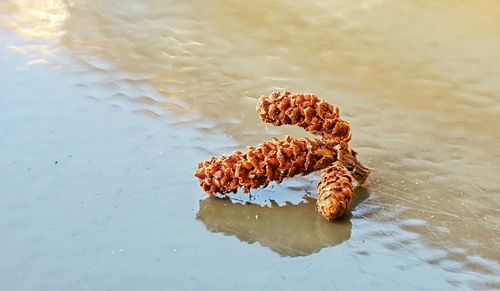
{"points": [[56, 162]]}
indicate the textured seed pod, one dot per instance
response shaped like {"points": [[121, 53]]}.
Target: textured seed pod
{"points": [[334, 191], [270, 161], [307, 111]]}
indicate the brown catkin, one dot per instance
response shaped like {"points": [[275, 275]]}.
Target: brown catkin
{"points": [[307, 111], [276, 159], [334, 191], [270, 161]]}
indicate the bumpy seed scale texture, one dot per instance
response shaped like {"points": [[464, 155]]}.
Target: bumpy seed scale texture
{"points": [[270, 161], [278, 159], [307, 111], [334, 191]]}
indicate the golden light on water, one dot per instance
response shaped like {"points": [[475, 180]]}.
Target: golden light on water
{"points": [[36, 19]]}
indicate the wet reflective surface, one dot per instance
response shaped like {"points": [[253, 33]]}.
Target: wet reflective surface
{"points": [[108, 106], [271, 225]]}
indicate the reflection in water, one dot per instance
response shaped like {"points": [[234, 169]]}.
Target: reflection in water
{"points": [[289, 230]]}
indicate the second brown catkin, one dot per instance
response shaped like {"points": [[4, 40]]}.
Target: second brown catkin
{"points": [[272, 160], [307, 111], [334, 191]]}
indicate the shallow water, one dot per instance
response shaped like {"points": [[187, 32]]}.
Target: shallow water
{"points": [[107, 107]]}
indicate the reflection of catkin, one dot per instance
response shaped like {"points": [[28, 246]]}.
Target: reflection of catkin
{"points": [[270, 161], [334, 191], [307, 111]]}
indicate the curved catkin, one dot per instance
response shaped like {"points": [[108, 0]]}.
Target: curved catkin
{"points": [[307, 111], [272, 160], [276, 159], [334, 191]]}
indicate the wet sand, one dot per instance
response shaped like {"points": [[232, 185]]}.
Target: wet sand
{"points": [[107, 108]]}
